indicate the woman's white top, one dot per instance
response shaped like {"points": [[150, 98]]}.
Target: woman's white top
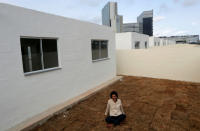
{"points": [[114, 108]]}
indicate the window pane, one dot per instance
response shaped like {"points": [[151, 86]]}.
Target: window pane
{"points": [[104, 49], [137, 45], [145, 44], [95, 50], [50, 54], [31, 55]]}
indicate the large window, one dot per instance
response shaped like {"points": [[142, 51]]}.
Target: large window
{"points": [[99, 49], [39, 54]]}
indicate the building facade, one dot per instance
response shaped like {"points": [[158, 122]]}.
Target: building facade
{"points": [[145, 21], [47, 60], [131, 40], [190, 39], [111, 18]]}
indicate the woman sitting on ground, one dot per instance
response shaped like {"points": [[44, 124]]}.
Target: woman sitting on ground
{"points": [[114, 111]]}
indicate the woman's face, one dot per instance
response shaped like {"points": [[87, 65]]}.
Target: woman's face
{"points": [[114, 97]]}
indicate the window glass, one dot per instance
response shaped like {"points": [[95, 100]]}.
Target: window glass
{"points": [[137, 45], [38, 54], [99, 49], [104, 49], [145, 44], [95, 50], [50, 55], [31, 55]]}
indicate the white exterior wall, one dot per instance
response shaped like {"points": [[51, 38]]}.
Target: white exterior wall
{"points": [[123, 40], [127, 40], [151, 41], [176, 62], [142, 38], [22, 97]]}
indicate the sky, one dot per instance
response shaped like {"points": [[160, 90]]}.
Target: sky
{"points": [[171, 17]]}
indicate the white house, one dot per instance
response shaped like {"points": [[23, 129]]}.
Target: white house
{"points": [[131, 40], [156, 41], [47, 59]]}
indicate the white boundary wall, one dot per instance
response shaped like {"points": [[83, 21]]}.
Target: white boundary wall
{"points": [[22, 97], [176, 62]]}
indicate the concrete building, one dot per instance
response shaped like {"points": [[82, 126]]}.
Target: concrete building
{"points": [[144, 24], [156, 41], [48, 59], [145, 21], [191, 39], [131, 27], [111, 18], [131, 40]]}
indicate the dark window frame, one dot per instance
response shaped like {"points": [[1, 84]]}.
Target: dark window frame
{"points": [[137, 44], [42, 53], [100, 50]]}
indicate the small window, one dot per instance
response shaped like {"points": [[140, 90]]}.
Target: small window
{"points": [[99, 49], [38, 54], [158, 43], [137, 45], [146, 44], [154, 43]]}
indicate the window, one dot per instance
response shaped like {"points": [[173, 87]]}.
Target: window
{"points": [[145, 44], [154, 43], [137, 45], [38, 54], [158, 43], [99, 49]]}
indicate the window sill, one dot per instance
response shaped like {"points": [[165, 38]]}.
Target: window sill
{"points": [[41, 71], [100, 59]]}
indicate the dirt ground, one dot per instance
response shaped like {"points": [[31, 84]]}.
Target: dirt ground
{"points": [[150, 105]]}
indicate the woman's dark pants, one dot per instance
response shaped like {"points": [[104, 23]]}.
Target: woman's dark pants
{"points": [[115, 119]]}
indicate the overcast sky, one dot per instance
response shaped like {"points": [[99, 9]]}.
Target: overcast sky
{"points": [[171, 17]]}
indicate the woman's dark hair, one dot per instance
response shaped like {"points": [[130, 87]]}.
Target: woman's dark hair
{"points": [[113, 93]]}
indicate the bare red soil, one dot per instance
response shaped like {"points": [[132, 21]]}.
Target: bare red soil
{"points": [[150, 105]]}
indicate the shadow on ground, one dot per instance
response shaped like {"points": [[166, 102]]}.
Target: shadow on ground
{"points": [[150, 105]]}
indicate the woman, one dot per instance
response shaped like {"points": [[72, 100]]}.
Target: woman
{"points": [[114, 111]]}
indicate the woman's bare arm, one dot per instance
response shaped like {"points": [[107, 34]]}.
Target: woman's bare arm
{"points": [[107, 109], [122, 110]]}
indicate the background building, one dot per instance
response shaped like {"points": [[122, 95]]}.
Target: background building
{"points": [[131, 40], [191, 39], [111, 18], [131, 27], [144, 24], [145, 21]]}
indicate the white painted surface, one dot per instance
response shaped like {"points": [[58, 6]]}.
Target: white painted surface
{"points": [[155, 41], [123, 40], [176, 62], [22, 97], [127, 40]]}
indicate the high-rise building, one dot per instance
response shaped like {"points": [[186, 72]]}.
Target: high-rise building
{"points": [[145, 21], [111, 18]]}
